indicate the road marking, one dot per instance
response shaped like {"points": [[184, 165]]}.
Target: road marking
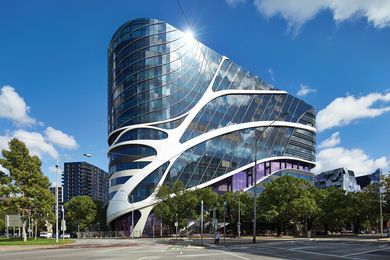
{"points": [[149, 257], [235, 255], [369, 251], [318, 253], [113, 249], [199, 255]]}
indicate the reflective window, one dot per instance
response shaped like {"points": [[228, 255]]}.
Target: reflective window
{"points": [[131, 152], [112, 194], [155, 74], [148, 185], [119, 180], [222, 154], [120, 166], [171, 124], [143, 134]]}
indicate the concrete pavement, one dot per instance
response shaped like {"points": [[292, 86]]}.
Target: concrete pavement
{"points": [[144, 249]]}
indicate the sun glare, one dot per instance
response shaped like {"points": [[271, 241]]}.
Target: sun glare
{"points": [[189, 36]]}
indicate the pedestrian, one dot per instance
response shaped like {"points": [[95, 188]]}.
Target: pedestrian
{"points": [[217, 236]]}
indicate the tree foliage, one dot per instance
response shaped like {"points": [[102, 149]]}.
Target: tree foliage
{"points": [[80, 212], [25, 189], [176, 201], [287, 200]]}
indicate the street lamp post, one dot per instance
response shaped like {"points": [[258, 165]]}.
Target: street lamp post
{"points": [[239, 218], [255, 173], [201, 223], [176, 224], [57, 201], [132, 217], [224, 223], [63, 223], [380, 204]]}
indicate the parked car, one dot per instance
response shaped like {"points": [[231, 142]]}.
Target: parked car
{"points": [[45, 235], [73, 235], [65, 235]]}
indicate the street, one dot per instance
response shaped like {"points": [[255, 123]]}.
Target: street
{"points": [[144, 249]]}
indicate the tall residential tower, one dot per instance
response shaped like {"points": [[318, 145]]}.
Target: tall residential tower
{"points": [[82, 178], [180, 112]]}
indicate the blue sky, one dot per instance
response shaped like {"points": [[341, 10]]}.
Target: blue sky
{"points": [[334, 54]]}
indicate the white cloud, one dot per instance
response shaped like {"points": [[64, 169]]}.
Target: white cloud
{"points": [[345, 110], [298, 12], [332, 141], [13, 106], [271, 73], [34, 142], [332, 157], [353, 159], [305, 90], [234, 3], [60, 138]]}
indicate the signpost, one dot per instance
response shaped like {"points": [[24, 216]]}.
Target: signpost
{"points": [[13, 221]]}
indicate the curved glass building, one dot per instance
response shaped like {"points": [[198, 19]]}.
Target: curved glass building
{"points": [[180, 112]]}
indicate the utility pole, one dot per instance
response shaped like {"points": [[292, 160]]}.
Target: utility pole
{"points": [[63, 223], [224, 223], [132, 217], [380, 203], [255, 173], [214, 221], [254, 195], [161, 229], [201, 222], [57, 201], [239, 219], [176, 224]]}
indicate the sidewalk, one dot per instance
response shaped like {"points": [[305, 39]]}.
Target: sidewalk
{"points": [[208, 242]]}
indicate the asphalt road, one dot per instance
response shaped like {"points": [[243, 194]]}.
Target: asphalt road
{"points": [[144, 249]]}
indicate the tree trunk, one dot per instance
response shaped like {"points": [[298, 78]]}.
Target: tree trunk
{"points": [[24, 231], [279, 230]]}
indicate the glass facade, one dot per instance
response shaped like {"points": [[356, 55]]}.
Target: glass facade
{"points": [[180, 112], [155, 73]]}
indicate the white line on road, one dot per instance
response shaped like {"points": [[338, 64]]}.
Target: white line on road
{"points": [[235, 255], [318, 253], [365, 252], [113, 249], [199, 255]]}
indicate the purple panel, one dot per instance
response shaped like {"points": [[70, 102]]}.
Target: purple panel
{"points": [[239, 181], [260, 171], [275, 166]]}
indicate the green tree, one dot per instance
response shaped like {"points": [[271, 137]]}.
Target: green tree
{"points": [[336, 209], [286, 201], [101, 216], [26, 186], [80, 212], [184, 204], [232, 201], [365, 208], [386, 198], [176, 201]]}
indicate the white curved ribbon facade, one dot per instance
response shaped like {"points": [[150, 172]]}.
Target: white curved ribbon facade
{"points": [[180, 112]]}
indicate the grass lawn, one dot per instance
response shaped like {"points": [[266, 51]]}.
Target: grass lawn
{"points": [[38, 241]]}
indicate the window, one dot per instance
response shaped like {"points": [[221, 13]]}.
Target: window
{"points": [[119, 180]]}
